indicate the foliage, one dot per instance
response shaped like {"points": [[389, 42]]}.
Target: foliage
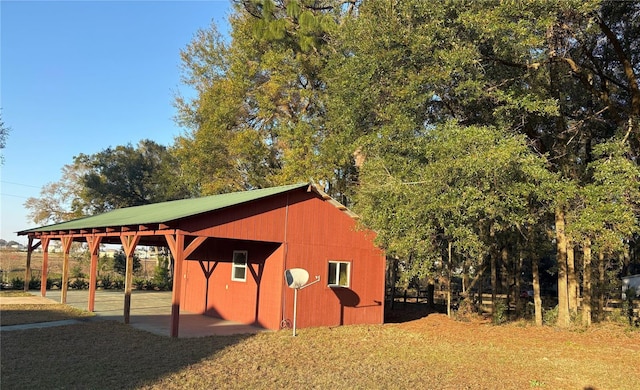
{"points": [[108, 281], [17, 283], [113, 178], [126, 176], [4, 134], [454, 184], [79, 284], [76, 271], [105, 264], [500, 315], [550, 317], [120, 263], [259, 116], [161, 275], [58, 201]]}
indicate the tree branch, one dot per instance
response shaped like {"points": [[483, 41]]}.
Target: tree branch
{"points": [[626, 64]]}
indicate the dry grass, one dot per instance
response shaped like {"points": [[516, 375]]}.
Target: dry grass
{"points": [[433, 352], [28, 314], [14, 293], [14, 314]]}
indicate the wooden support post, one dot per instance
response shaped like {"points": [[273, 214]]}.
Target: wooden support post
{"points": [[129, 243], [66, 247], [45, 266], [177, 285], [27, 271], [180, 253], [94, 249]]}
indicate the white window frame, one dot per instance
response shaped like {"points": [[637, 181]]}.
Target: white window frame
{"points": [[239, 265], [336, 276]]}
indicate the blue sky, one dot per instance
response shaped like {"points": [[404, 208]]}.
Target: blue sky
{"points": [[80, 76]]}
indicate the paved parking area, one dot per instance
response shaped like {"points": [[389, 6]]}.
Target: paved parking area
{"points": [[150, 311]]}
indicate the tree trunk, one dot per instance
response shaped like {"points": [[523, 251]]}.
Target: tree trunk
{"points": [[505, 275], [494, 281], [586, 282], [561, 240], [431, 289], [465, 277], [601, 277], [518, 286], [449, 281], [481, 292], [537, 302], [394, 279], [572, 280]]}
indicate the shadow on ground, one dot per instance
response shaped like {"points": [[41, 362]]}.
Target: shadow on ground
{"points": [[16, 314], [405, 312], [98, 355]]}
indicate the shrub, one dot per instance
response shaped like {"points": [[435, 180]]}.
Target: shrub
{"points": [[550, 316], [139, 283], [120, 263], [17, 283], [76, 272], [118, 283], [106, 282], [161, 276], [499, 316], [34, 283], [79, 284], [467, 310]]}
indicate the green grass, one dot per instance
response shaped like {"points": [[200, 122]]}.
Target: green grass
{"points": [[430, 353]]}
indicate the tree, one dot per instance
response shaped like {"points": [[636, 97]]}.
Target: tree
{"points": [[59, 201], [113, 178], [259, 115], [562, 73], [126, 176], [120, 262], [607, 217], [4, 134], [456, 187]]}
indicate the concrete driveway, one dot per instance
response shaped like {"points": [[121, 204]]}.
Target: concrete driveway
{"points": [[150, 311]]}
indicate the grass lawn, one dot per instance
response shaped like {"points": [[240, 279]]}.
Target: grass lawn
{"points": [[13, 314], [433, 352]]}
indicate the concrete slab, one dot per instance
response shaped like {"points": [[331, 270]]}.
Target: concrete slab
{"points": [[150, 311]]}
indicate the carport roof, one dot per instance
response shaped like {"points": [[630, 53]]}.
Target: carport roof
{"points": [[165, 211]]}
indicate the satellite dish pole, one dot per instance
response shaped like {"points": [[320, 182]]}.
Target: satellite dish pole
{"points": [[296, 279]]}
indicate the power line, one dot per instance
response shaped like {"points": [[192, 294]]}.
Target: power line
{"points": [[15, 196], [18, 184]]}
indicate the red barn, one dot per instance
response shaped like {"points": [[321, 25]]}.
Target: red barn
{"points": [[231, 252]]}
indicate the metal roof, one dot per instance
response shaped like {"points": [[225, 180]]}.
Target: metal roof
{"points": [[168, 211]]}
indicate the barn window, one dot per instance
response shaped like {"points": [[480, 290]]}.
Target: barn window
{"points": [[239, 266], [339, 273]]}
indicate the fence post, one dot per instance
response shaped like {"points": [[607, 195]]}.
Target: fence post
{"points": [[405, 296]]}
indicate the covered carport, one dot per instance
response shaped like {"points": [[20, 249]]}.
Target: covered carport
{"points": [[160, 224]]}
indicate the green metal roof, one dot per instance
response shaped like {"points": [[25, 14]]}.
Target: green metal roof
{"points": [[165, 211]]}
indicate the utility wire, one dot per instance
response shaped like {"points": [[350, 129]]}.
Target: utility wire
{"points": [[18, 184]]}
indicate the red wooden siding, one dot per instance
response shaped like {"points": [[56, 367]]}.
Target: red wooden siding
{"points": [[320, 233], [258, 221], [316, 232], [251, 302]]}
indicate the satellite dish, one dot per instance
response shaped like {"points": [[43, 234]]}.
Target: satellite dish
{"points": [[296, 277]]}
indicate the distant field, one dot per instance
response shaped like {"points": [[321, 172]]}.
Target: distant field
{"points": [[433, 352], [12, 264]]}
